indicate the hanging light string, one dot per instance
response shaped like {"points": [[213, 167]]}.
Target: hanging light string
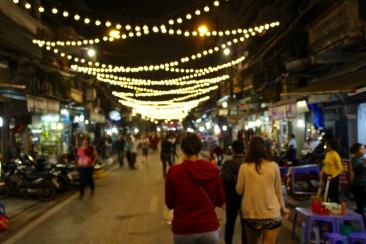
{"points": [[107, 23], [168, 111], [116, 35], [161, 66], [198, 72], [142, 91], [126, 81]]}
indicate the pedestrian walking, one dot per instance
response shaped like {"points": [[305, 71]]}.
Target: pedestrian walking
{"points": [[119, 147], [166, 153], [128, 149], [292, 148], [259, 182], [332, 168], [134, 145], [229, 175], [85, 161], [173, 141], [193, 189], [144, 143], [358, 181], [217, 151]]}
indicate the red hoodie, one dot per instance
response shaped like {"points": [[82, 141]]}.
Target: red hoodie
{"points": [[193, 212]]}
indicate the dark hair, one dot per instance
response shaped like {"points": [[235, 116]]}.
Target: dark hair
{"points": [[256, 152], [86, 138], [238, 146], [333, 143], [292, 136], [191, 144], [354, 148]]}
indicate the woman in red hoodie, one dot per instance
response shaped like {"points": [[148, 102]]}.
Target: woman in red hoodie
{"points": [[193, 189]]}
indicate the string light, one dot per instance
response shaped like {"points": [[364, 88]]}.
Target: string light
{"points": [[87, 20], [202, 30], [199, 72], [135, 84], [179, 61]]}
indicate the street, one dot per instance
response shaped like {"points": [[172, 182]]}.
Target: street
{"points": [[128, 207]]}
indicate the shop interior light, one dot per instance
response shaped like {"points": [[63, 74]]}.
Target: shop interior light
{"points": [[224, 128], [301, 123], [217, 130], [1, 122]]}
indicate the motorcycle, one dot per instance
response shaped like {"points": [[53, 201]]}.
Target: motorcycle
{"points": [[41, 167], [16, 183]]}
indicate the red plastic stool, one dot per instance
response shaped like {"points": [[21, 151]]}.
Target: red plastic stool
{"points": [[335, 238], [357, 236]]}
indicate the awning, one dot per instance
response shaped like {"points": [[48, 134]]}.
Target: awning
{"points": [[348, 83]]}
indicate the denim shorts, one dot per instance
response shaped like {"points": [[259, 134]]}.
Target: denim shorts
{"points": [[263, 224]]}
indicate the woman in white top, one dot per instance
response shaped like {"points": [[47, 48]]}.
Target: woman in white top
{"points": [[259, 182]]}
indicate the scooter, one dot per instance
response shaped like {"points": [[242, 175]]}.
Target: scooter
{"points": [[15, 183]]}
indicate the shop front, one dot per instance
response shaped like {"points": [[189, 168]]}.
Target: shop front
{"points": [[281, 115], [46, 127]]}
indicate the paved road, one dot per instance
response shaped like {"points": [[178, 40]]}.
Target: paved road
{"points": [[128, 207]]}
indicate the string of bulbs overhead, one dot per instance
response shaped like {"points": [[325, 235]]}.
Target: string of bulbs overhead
{"points": [[152, 67], [108, 23], [116, 35]]}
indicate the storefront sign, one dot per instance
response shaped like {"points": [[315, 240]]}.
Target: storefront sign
{"points": [[223, 112], [76, 95], [42, 105], [286, 111], [319, 98], [98, 118]]}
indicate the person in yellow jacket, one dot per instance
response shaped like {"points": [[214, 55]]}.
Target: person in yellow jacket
{"points": [[332, 168]]}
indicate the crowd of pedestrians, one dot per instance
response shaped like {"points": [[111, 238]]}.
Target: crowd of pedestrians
{"points": [[251, 184], [248, 185]]}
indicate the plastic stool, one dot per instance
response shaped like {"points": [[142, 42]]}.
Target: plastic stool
{"points": [[360, 237], [334, 238], [314, 229], [284, 193]]}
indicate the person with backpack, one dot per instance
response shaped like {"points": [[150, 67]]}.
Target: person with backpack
{"points": [[229, 175]]}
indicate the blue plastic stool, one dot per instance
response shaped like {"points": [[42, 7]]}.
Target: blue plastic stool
{"points": [[2, 209], [360, 237], [314, 229], [335, 238]]}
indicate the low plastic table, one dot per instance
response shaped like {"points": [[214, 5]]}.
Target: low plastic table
{"points": [[334, 220]]}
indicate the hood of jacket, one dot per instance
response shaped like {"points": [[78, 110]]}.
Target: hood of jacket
{"points": [[200, 172]]}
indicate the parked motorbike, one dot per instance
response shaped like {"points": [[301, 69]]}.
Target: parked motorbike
{"points": [[16, 183], [41, 167]]}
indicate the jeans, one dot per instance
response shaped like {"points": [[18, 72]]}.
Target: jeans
{"points": [[120, 157], [86, 178], [232, 212], [166, 158], [212, 237]]}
